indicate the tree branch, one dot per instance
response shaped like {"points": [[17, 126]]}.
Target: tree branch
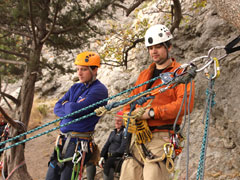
{"points": [[15, 53], [118, 64], [9, 119], [13, 99], [12, 62], [14, 32], [53, 24], [32, 22], [134, 43], [133, 7], [177, 14]]}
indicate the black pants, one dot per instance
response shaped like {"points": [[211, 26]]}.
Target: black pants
{"points": [[57, 171], [111, 162]]}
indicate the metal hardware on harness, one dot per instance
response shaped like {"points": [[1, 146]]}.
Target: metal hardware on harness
{"points": [[176, 140], [84, 146], [216, 69], [166, 77], [168, 149], [77, 157]]}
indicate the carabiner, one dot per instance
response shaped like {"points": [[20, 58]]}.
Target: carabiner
{"points": [[76, 154], [216, 68], [168, 149]]}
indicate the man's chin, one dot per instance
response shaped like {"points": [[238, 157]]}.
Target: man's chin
{"points": [[160, 62]]}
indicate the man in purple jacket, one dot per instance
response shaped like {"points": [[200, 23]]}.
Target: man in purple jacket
{"points": [[76, 138]]}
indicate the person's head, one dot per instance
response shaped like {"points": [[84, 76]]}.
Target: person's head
{"points": [[118, 120], [157, 40], [87, 65]]}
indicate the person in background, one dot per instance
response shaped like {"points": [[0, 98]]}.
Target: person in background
{"points": [[113, 149], [76, 140], [161, 114]]}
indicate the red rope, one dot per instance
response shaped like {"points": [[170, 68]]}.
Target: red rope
{"points": [[18, 166]]}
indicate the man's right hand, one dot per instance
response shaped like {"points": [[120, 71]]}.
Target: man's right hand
{"points": [[101, 162]]}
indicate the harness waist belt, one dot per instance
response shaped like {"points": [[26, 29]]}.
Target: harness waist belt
{"points": [[75, 135], [165, 127], [78, 134]]}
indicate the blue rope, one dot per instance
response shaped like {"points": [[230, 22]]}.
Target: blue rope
{"points": [[78, 119], [210, 103], [80, 110]]}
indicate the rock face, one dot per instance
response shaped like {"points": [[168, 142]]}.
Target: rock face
{"points": [[204, 31]]}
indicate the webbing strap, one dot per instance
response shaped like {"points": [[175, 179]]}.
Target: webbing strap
{"points": [[229, 48]]}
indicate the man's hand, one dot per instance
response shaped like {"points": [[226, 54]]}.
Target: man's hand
{"points": [[145, 114], [101, 162]]}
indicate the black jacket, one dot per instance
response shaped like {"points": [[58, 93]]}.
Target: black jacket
{"points": [[115, 144]]}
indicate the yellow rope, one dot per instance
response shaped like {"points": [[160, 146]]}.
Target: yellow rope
{"points": [[168, 155], [102, 110]]}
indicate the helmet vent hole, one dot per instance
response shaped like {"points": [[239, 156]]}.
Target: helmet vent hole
{"points": [[160, 35], [86, 60], [150, 40]]}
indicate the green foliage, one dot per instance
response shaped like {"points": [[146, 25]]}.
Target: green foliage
{"points": [[197, 5], [124, 36], [43, 109], [70, 23]]}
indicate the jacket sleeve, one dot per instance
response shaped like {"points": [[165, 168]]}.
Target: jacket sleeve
{"points": [[104, 152], [94, 95], [59, 108], [170, 110]]}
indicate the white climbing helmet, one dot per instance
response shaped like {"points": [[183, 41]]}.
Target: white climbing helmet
{"points": [[157, 34]]}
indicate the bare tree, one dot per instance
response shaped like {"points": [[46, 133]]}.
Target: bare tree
{"points": [[25, 27]]}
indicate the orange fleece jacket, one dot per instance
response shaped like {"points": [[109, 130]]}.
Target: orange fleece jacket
{"points": [[167, 104]]}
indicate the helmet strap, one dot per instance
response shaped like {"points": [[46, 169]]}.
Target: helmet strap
{"points": [[93, 77], [166, 47]]}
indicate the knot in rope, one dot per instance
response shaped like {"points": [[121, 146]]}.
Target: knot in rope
{"points": [[139, 113], [100, 111]]}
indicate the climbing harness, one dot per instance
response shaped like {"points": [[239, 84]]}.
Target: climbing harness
{"points": [[83, 142]]}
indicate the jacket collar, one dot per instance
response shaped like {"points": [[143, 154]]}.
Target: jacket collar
{"points": [[153, 66]]}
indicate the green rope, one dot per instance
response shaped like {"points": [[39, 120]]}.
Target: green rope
{"points": [[78, 111], [75, 120], [58, 156], [210, 103], [73, 177]]}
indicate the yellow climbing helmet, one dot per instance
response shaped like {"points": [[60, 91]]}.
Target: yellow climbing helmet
{"points": [[88, 58]]}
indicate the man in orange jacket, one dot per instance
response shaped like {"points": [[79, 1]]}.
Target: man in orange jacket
{"points": [[160, 116]]}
